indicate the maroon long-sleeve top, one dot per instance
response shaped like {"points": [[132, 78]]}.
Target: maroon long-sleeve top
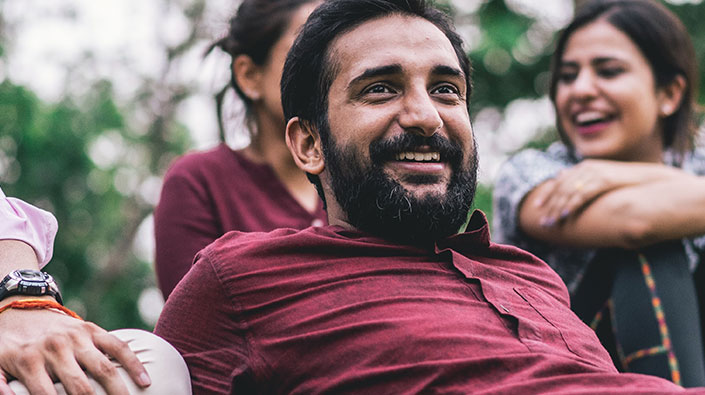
{"points": [[329, 310]]}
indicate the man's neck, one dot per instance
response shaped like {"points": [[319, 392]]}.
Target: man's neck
{"points": [[337, 217]]}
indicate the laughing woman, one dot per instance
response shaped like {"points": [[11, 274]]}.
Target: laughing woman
{"points": [[617, 207]]}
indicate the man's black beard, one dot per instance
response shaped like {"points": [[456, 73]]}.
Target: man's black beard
{"points": [[377, 204]]}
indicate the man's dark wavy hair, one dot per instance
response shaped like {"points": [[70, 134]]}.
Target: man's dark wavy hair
{"points": [[309, 70]]}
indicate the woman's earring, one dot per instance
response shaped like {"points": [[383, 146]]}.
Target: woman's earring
{"points": [[666, 110]]}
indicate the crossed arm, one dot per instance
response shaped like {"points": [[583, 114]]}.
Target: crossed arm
{"points": [[602, 203]]}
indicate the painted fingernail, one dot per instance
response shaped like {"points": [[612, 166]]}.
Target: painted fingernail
{"points": [[547, 221], [144, 379], [565, 213]]}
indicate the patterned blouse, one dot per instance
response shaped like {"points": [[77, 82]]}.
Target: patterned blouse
{"points": [[528, 169]]}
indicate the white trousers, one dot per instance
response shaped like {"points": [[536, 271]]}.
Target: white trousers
{"points": [[164, 365]]}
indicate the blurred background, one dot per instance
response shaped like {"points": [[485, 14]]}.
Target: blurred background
{"points": [[98, 97]]}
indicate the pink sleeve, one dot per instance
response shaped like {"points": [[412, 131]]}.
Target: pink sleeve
{"points": [[22, 221]]}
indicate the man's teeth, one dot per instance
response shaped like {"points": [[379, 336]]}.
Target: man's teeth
{"points": [[419, 156]]}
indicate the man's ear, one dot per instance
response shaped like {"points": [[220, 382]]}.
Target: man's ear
{"points": [[304, 143], [248, 76], [671, 96]]}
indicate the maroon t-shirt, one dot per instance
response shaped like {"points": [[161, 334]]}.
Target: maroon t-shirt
{"points": [[207, 194], [328, 310]]}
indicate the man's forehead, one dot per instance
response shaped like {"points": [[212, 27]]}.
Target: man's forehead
{"points": [[396, 39]]}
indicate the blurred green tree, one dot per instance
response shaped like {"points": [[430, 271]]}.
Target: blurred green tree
{"points": [[88, 160]]}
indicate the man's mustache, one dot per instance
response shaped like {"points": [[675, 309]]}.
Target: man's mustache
{"points": [[382, 151]]}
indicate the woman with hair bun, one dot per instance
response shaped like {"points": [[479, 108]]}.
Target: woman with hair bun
{"points": [[257, 188]]}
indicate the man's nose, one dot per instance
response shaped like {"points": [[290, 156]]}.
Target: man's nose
{"points": [[419, 114]]}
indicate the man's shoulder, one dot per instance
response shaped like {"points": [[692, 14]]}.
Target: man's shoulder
{"points": [[256, 246], [237, 254], [239, 240]]}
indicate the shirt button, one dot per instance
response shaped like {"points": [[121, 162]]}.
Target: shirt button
{"points": [[317, 222]]}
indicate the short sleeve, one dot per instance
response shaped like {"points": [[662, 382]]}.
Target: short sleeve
{"points": [[22, 221], [517, 177]]}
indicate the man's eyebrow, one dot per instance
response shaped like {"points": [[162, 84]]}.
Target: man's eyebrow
{"points": [[376, 72], [447, 70]]}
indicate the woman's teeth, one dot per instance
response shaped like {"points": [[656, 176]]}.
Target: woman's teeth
{"points": [[589, 118]]}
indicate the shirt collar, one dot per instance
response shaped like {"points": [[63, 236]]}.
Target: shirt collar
{"points": [[476, 234]]}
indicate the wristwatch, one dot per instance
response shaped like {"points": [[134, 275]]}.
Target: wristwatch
{"points": [[29, 282]]}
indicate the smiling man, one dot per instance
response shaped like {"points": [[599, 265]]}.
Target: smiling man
{"points": [[395, 154], [389, 298]]}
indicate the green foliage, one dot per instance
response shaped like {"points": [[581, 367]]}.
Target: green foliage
{"points": [[483, 200], [498, 77], [55, 172], [692, 16], [91, 160]]}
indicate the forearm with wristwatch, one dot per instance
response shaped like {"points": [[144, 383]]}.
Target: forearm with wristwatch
{"points": [[26, 244], [27, 288]]}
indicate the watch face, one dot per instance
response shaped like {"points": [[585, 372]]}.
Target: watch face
{"points": [[31, 275], [29, 282]]}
